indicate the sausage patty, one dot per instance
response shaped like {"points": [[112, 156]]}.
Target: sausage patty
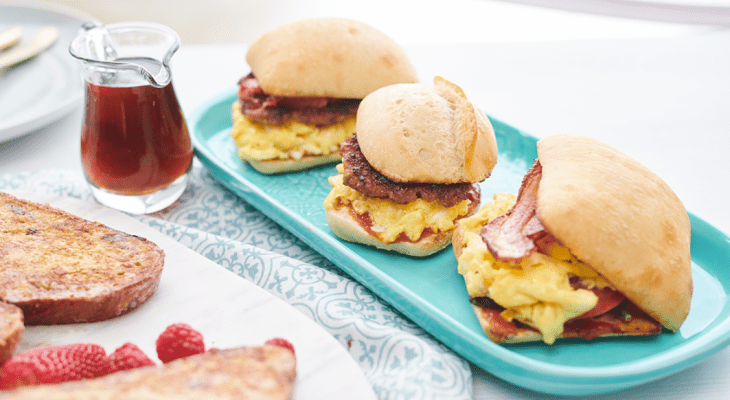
{"points": [[361, 176]]}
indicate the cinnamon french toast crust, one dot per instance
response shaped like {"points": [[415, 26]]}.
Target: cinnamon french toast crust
{"points": [[60, 268]]}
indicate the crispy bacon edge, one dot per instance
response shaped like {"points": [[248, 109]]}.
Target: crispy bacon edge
{"points": [[513, 236]]}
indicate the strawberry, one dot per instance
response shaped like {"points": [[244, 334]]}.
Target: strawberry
{"points": [[177, 341], [127, 356], [281, 343], [53, 365]]}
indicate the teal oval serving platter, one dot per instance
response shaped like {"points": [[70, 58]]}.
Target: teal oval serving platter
{"points": [[432, 294]]}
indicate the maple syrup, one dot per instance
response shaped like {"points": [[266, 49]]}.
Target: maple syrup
{"points": [[134, 140], [135, 146]]}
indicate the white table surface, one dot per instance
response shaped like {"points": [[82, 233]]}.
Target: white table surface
{"points": [[658, 92]]}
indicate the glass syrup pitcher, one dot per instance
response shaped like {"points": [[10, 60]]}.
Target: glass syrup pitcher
{"points": [[135, 146]]}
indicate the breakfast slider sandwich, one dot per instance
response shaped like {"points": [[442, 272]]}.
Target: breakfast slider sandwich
{"points": [[411, 170], [307, 79], [594, 245]]}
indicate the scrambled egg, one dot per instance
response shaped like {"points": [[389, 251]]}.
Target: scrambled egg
{"points": [[292, 140], [537, 291], [389, 218]]}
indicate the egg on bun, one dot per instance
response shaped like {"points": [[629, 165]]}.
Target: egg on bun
{"points": [[307, 79], [411, 170], [593, 245]]}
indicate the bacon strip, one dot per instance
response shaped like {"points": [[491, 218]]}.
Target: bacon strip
{"points": [[513, 236], [608, 298], [260, 106]]}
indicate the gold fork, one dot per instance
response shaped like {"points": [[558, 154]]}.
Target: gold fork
{"points": [[10, 37], [42, 40]]}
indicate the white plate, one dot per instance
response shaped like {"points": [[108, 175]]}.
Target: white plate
{"points": [[45, 88], [228, 310]]}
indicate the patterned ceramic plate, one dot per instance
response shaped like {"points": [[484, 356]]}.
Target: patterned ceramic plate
{"points": [[228, 310], [431, 292]]}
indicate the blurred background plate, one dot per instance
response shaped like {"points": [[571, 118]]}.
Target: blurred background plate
{"points": [[695, 12], [45, 88]]}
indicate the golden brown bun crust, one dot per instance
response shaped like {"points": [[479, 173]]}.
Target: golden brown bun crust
{"points": [[278, 166], [428, 134], [345, 227], [621, 219], [261, 372], [333, 57], [63, 269], [458, 241], [11, 330]]}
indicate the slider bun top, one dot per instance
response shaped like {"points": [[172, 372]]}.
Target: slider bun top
{"points": [[619, 218], [332, 57], [426, 134]]}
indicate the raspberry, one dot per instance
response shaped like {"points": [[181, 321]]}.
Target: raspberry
{"points": [[177, 341], [127, 356], [54, 365], [281, 343]]}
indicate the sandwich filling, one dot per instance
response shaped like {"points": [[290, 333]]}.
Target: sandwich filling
{"points": [[524, 279], [393, 211], [270, 109], [267, 127]]}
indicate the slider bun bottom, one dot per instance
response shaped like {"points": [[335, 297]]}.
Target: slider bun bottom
{"points": [[277, 166], [524, 335], [345, 227]]}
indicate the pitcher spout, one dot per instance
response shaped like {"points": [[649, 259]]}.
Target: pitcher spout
{"points": [[125, 54]]}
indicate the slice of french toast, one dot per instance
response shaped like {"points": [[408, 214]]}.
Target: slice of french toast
{"points": [[255, 372], [60, 268], [11, 330]]}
